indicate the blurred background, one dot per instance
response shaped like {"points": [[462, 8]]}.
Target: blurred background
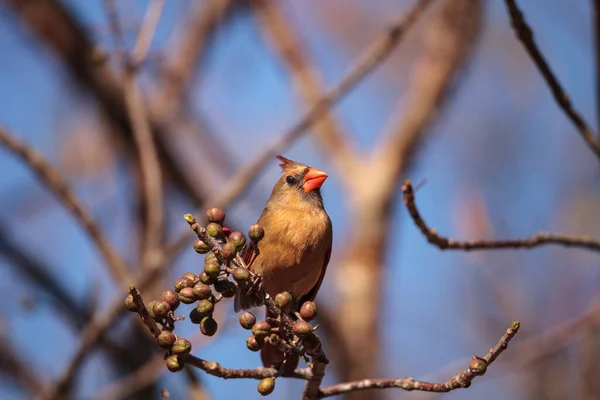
{"points": [[457, 104]]}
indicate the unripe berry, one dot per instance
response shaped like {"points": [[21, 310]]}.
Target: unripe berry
{"points": [[228, 251], [212, 270], [174, 364], [308, 311], [183, 283], [302, 329], [166, 339], [130, 304], [285, 301], [215, 215], [256, 233], [205, 308], [261, 329], [253, 344], [215, 230], [161, 309], [201, 291], [171, 297], [200, 247], [247, 320], [186, 295], [240, 274], [182, 346], [238, 239], [266, 386], [208, 326]]}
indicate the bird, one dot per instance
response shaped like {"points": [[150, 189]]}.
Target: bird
{"points": [[295, 250]]}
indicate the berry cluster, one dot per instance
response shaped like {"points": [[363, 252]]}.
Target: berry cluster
{"points": [[225, 273]]}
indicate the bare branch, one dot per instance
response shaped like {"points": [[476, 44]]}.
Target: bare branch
{"points": [[148, 155], [143, 311], [370, 58], [446, 243], [306, 80], [189, 47], [144, 40], [525, 35], [463, 379], [448, 47], [57, 183], [216, 369], [16, 366], [92, 333]]}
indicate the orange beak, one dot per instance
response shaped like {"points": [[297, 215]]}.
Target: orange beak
{"points": [[314, 179]]}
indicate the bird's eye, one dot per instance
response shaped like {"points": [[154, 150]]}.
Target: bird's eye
{"points": [[290, 179]]}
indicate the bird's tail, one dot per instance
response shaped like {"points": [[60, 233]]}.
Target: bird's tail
{"points": [[272, 358]]}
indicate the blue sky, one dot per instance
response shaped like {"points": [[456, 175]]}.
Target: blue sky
{"points": [[502, 139]]}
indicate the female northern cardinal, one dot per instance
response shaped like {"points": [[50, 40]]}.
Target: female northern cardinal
{"points": [[294, 253]]}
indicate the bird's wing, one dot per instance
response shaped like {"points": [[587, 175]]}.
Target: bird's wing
{"points": [[310, 296]]}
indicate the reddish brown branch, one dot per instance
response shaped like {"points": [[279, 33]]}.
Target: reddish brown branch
{"points": [[57, 183], [216, 369], [445, 243], [143, 311], [525, 35], [288, 46], [370, 58], [463, 379]]}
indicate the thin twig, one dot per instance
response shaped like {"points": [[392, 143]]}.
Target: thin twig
{"points": [[525, 35], [143, 311], [93, 332], [370, 58], [147, 31], [136, 108], [216, 369], [463, 379], [16, 366], [57, 183], [445, 243], [148, 154]]}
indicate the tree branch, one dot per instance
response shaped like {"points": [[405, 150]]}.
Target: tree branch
{"points": [[446, 243], [370, 58], [525, 35], [147, 152], [57, 183], [289, 48], [463, 379]]}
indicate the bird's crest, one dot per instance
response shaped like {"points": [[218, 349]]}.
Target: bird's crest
{"points": [[286, 163]]}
